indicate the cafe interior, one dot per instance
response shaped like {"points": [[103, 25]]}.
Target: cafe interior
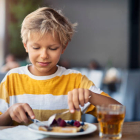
{"points": [[105, 46]]}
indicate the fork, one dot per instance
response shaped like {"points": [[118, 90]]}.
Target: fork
{"points": [[51, 118], [35, 121]]}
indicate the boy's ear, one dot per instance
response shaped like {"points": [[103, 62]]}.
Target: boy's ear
{"points": [[64, 48], [25, 46]]}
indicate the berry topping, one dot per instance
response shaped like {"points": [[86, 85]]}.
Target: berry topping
{"points": [[68, 122], [81, 130], [71, 122], [54, 122], [82, 123], [77, 123], [62, 123], [58, 120]]}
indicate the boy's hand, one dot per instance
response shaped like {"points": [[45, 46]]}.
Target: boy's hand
{"points": [[18, 112], [78, 97]]}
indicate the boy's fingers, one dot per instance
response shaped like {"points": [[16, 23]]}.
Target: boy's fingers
{"points": [[81, 96], [87, 95], [70, 103], [29, 111], [76, 98], [15, 118], [19, 117], [23, 115]]}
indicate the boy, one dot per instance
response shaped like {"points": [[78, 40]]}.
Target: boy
{"points": [[43, 88]]}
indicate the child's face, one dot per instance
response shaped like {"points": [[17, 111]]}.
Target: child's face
{"points": [[44, 54]]}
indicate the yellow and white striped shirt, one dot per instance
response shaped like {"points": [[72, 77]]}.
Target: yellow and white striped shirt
{"points": [[46, 95]]}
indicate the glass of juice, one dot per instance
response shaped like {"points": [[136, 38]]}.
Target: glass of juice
{"points": [[110, 118]]}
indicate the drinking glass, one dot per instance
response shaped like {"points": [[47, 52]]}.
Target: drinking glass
{"points": [[111, 118]]}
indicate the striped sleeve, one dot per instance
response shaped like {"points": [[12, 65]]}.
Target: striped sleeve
{"points": [[4, 97]]}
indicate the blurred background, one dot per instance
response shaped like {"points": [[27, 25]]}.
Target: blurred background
{"points": [[105, 46]]}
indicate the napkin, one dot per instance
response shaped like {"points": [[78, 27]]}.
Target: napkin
{"points": [[20, 132]]}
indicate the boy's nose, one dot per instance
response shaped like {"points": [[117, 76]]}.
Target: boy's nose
{"points": [[44, 54]]}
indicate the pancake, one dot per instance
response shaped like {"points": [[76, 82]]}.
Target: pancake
{"points": [[65, 129]]}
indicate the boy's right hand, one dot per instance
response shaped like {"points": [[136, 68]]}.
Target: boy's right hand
{"points": [[18, 112]]}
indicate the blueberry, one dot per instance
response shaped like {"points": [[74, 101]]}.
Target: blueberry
{"points": [[82, 123], [81, 130], [68, 122], [72, 122]]}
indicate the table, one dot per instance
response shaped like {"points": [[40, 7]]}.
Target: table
{"points": [[131, 131]]}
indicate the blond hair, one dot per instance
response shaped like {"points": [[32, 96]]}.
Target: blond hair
{"points": [[45, 20]]}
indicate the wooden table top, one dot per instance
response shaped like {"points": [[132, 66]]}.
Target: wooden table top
{"points": [[131, 131]]}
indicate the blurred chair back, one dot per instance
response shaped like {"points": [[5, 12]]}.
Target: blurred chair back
{"points": [[96, 76], [129, 94], [132, 96], [84, 71], [2, 76]]}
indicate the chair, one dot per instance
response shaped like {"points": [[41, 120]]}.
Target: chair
{"points": [[75, 68], [84, 71], [130, 95], [96, 76], [2, 76], [133, 96]]}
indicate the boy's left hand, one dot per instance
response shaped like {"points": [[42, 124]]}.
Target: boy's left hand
{"points": [[78, 97]]}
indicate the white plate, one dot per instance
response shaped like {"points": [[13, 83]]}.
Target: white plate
{"points": [[91, 128]]}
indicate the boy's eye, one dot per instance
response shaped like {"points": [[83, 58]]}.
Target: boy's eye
{"points": [[53, 48], [35, 48]]}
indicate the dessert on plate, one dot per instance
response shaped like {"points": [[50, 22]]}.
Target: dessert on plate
{"points": [[63, 126]]}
